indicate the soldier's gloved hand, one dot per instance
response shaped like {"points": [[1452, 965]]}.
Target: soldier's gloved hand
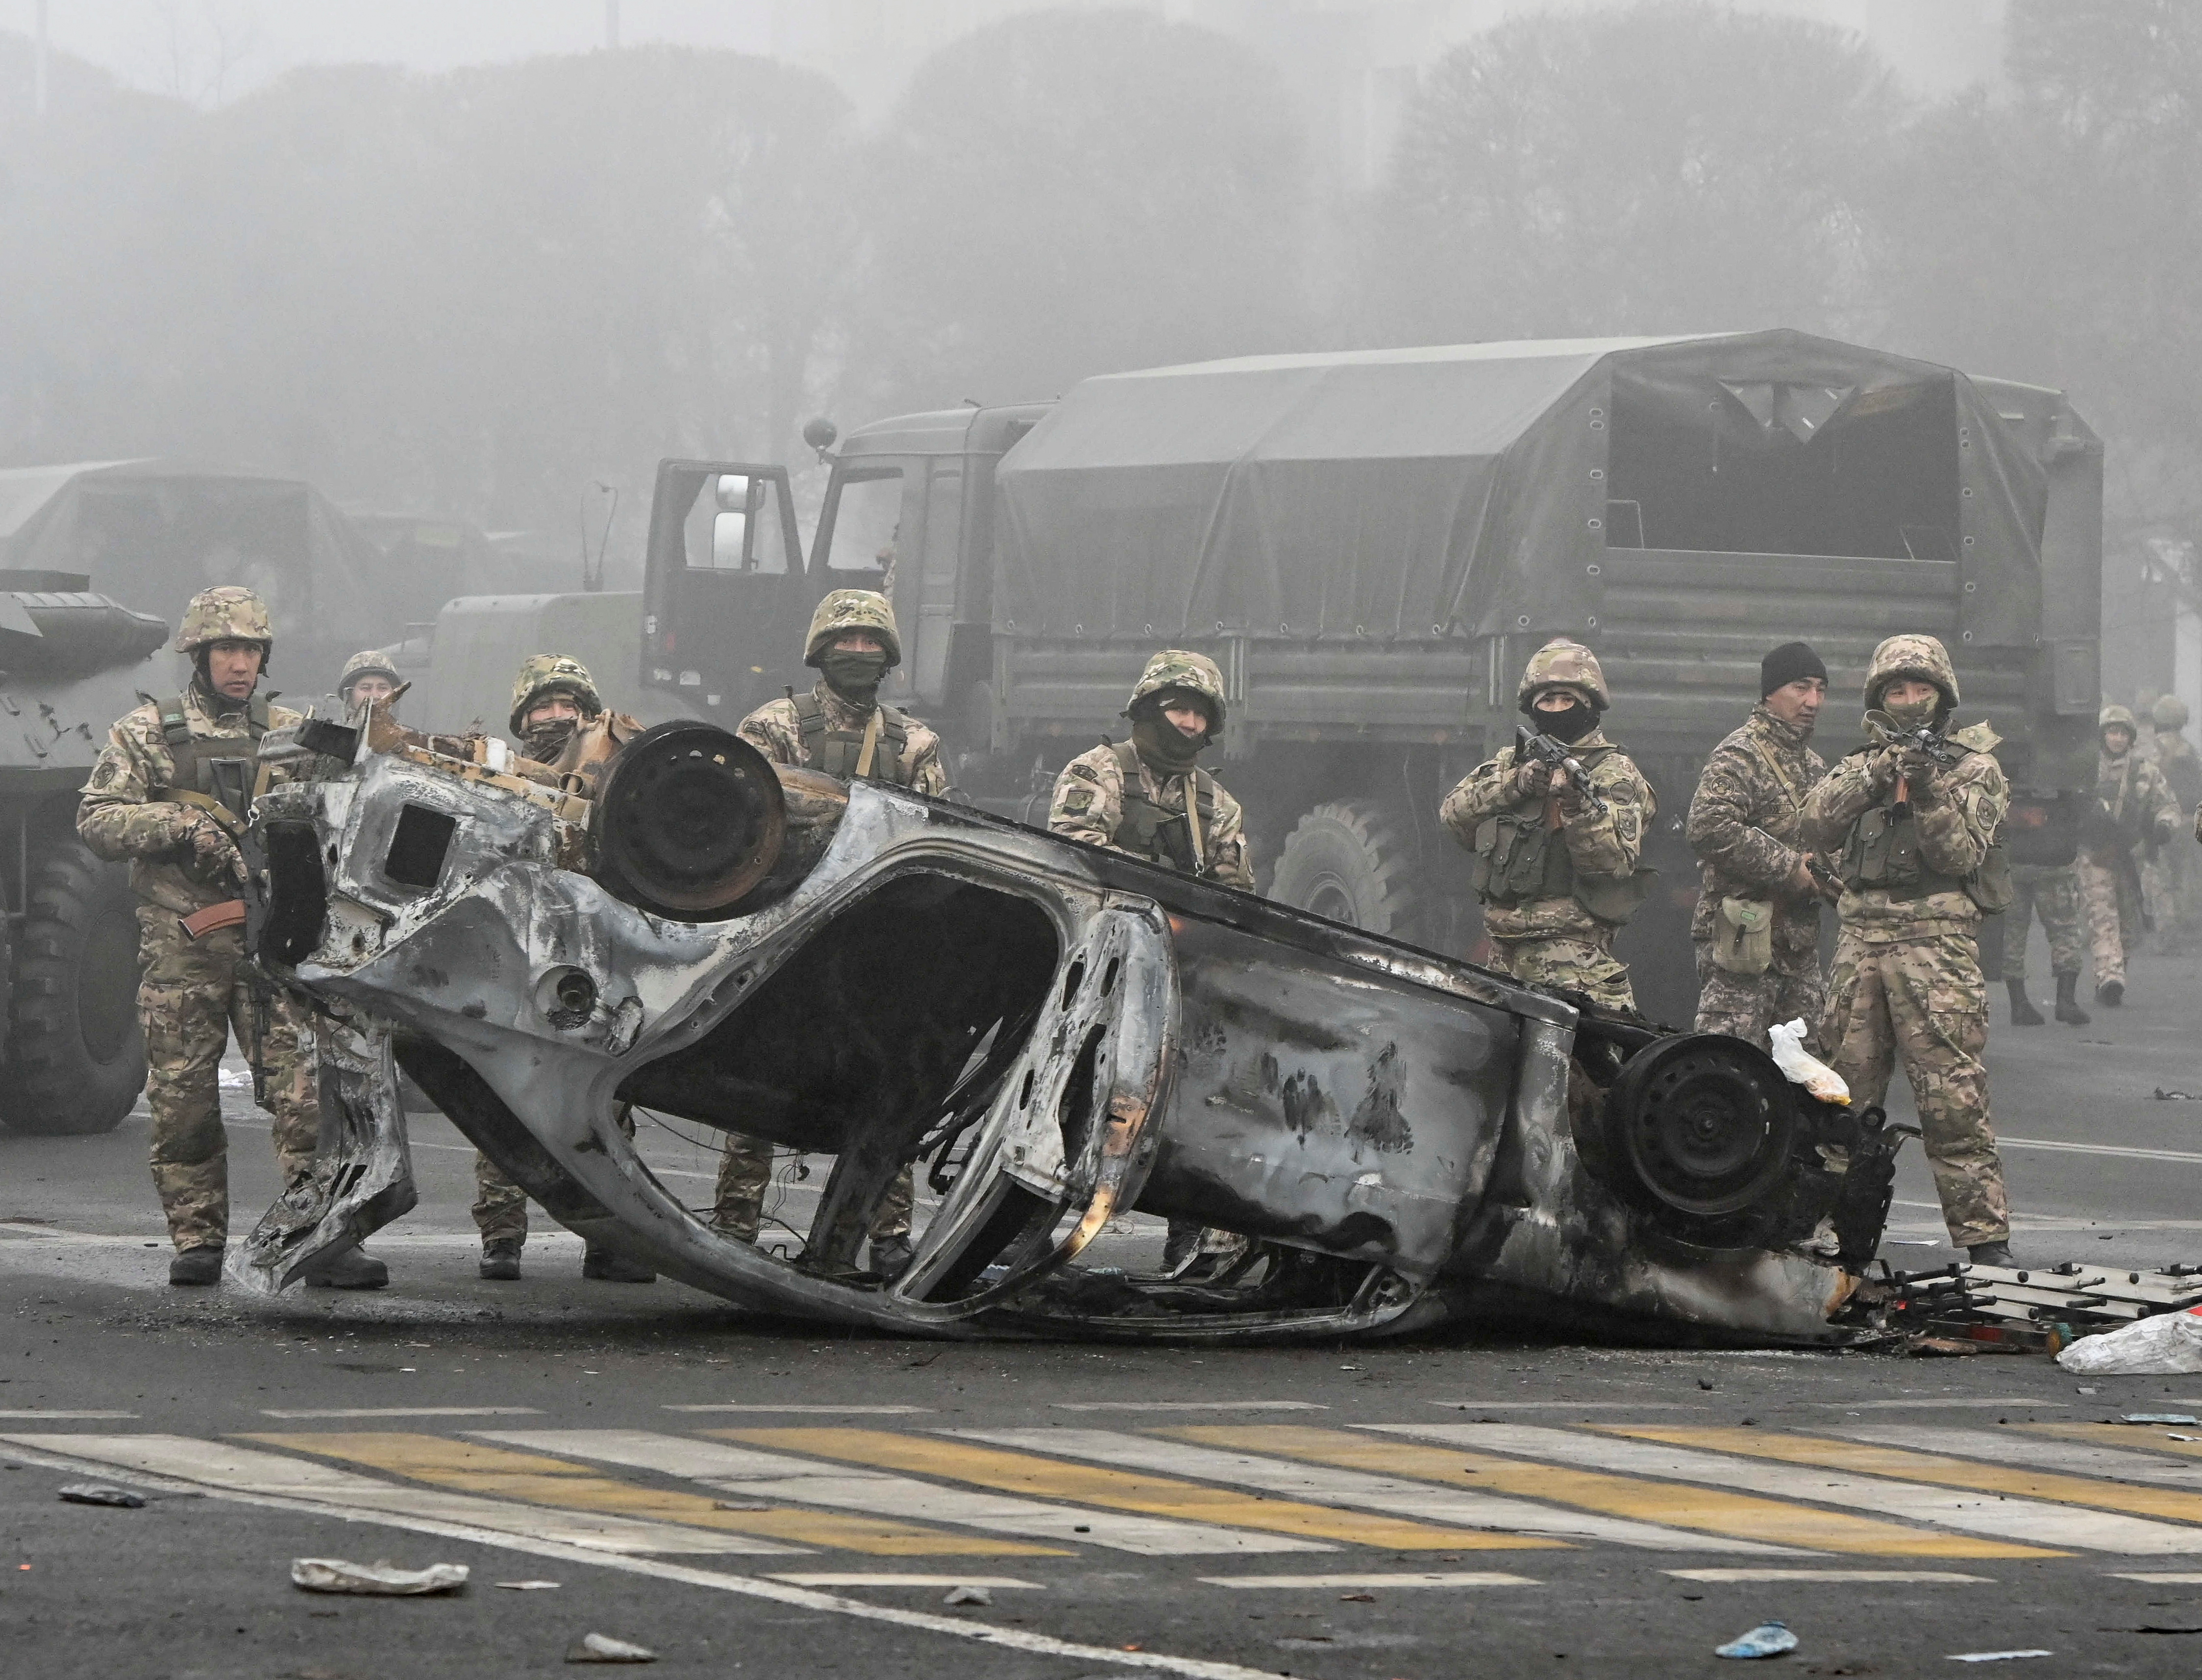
{"points": [[213, 856], [1881, 771], [1532, 781], [1923, 773]]}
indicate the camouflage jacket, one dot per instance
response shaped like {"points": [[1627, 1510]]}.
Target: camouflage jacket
{"points": [[1744, 824], [2182, 770], [1089, 805], [121, 817], [776, 730], [2136, 800], [1609, 845], [1958, 812]]}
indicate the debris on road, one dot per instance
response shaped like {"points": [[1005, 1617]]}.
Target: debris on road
{"points": [[2157, 1418], [968, 1595], [2167, 1345], [601, 1647], [380, 1579], [1767, 1639], [2164, 1096], [1995, 1656], [2012, 1310], [526, 1586], [98, 1493]]}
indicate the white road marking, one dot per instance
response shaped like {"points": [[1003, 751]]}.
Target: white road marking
{"points": [[36, 1416], [773, 1477], [2172, 1579], [2035, 1521], [748, 1586], [1824, 1574], [1933, 1405], [405, 1412], [1188, 1405], [1567, 1405], [828, 1411], [1396, 1496], [1463, 1578], [212, 1464], [2032, 1451], [2120, 1150], [933, 1581]]}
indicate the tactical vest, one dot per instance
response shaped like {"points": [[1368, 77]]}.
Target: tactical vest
{"points": [[1154, 831], [1522, 855], [1882, 854], [836, 751], [219, 773]]}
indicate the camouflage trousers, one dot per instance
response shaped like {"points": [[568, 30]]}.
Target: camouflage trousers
{"points": [[194, 994], [745, 1171], [1581, 962], [2169, 879], [500, 1208], [1747, 1006], [2112, 911], [2053, 895], [1924, 1001]]}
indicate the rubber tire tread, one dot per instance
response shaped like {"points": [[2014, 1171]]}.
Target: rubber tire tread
{"points": [[55, 1086], [1360, 845]]}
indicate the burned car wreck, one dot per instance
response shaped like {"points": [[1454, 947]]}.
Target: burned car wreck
{"points": [[1055, 1035]]}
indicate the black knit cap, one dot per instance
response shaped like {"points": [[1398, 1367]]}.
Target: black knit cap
{"points": [[1791, 661]]}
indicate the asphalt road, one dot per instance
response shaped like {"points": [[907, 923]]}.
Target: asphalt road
{"points": [[761, 1498]]}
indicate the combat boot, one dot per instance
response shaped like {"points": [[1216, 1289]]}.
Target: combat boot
{"points": [[1991, 1254], [2068, 1002], [607, 1266], [892, 1255], [354, 1268], [2111, 994], [500, 1261], [197, 1266], [2022, 1011]]}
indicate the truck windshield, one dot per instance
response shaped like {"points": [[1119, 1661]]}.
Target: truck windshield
{"points": [[867, 521]]}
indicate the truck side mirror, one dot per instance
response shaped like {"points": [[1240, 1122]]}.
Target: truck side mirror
{"points": [[820, 434]]}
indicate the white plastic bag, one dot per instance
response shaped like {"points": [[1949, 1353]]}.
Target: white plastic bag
{"points": [[1805, 1069], [2169, 1344]]}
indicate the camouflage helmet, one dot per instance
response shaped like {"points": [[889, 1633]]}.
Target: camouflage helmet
{"points": [[1189, 673], [2170, 713], [1923, 657], [542, 674], [2117, 717], [229, 612], [847, 610], [1562, 663], [367, 662]]}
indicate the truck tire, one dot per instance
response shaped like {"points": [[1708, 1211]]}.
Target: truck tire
{"points": [[1348, 860], [76, 1052]]}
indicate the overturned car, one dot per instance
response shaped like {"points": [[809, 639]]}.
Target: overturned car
{"points": [[1376, 1138]]}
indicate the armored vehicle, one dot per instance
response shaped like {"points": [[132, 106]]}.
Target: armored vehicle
{"points": [[1370, 545]]}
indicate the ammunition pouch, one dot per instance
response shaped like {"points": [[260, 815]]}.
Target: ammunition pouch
{"points": [[837, 752], [1990, 886], [1155, 832], [1743, 936]]}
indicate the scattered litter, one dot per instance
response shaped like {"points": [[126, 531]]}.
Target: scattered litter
{"points": [[1356, 1598], [1995, 1656], [2164, 1096], [1803, 1068], [2160, 1417], [1767, 1639], [600, 1647], [525, 1586], [2167, 1343], [380, 1578], [968, 1595], [2174, 1435], [98, 1493], [739, 1505]]}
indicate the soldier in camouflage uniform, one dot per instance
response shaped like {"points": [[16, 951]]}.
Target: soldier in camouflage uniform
{"points": [[842, 727], [1556, 872], [559, 719], [170, 791], [1130, 796], [2049, 891], [1914, 838], [367, 676], [2133, 807], [2178, 881], [1756, 926]]}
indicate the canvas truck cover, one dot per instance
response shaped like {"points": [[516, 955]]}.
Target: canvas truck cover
{"points": [[1409, 494]]}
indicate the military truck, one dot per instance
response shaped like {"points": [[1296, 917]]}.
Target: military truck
{"points": [[1371, 544]]}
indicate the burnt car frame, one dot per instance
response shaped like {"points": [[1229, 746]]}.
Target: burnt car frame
{"points": [[1054, 1034]]}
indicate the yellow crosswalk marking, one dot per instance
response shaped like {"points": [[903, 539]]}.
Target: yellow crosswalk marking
{"points": [[2012, 1481], [1123, 1490], [2135, 1435], [1673, 1504], [532, 1479]]}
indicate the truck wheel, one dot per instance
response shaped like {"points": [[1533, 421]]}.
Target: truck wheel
{"points": [[76, 1053], [1349, 862]]}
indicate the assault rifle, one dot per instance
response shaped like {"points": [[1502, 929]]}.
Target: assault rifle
{"points": [[1887, 732], [1555, 755]]}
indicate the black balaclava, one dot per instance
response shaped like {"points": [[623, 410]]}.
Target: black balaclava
{"points": [[856, 677], [1569, 726], [1163, 747]]}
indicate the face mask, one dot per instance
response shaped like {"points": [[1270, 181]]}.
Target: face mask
{"points": [[1166, 749], [1918, 714], [853, 677], [546, 741], [1571, 725]]}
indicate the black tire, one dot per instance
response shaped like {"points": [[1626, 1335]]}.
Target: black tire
{"points": [[76, 1051], [1350, 861]]}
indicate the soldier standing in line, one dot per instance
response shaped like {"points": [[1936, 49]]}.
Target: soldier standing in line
{"points": [[2181, 914], [2133, 807], [1915, 836], [560, 720], [842, 727], [171, 792], [1756, 926], [2051, 891], [367, 676], [1556, 867]]}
